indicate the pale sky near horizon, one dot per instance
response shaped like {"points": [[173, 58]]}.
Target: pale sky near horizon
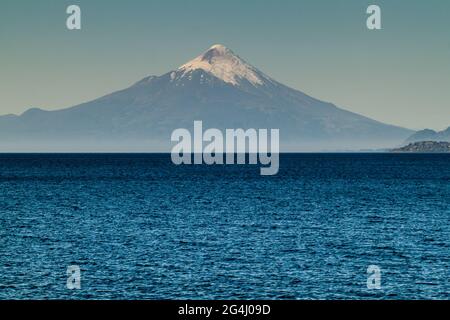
{"points": [[399, 75]]}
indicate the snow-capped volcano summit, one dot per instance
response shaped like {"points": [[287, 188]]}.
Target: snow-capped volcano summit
{"points": [[225, 65]]}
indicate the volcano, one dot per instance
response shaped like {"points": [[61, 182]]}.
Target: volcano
{"points": [[217, 87]]}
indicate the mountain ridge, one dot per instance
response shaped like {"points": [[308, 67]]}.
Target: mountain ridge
{"points": [[430, 135]]}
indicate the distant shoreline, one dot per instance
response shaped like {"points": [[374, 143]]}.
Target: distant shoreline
{"points": [[425, 147], [391, 152]]}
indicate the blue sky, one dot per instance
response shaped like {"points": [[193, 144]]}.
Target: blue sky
{"points": [[399, 75]]}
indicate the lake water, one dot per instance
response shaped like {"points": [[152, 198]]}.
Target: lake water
{"points": [[140, 227]]}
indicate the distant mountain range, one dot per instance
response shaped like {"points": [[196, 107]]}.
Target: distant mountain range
{"points": [[430, 135], [217, 87]]}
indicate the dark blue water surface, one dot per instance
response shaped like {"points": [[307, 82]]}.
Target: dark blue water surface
{"points": [[140, 227]]}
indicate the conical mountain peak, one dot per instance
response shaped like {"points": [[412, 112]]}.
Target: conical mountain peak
{"points": [[224, 64], [217, 87], [218, 50]]}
